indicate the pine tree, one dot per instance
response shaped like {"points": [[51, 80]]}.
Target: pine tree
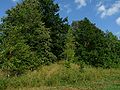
{"points": [[57, 25], [16, 56], [26, 41]]}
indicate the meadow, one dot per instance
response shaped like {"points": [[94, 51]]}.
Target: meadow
{"points": [[58, 77]]}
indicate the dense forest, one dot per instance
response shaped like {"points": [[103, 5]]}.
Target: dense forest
{"points": [[33, 34]]}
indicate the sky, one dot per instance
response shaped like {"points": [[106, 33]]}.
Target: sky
{"points": [[104, 13]]}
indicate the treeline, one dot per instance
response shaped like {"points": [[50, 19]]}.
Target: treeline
{"points": [[33, 34], [94, 46]]}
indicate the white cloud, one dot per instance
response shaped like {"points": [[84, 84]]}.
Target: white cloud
{"points": [[81, 3], [118, 20], [102, 10], [68, 9], [115, 8]]}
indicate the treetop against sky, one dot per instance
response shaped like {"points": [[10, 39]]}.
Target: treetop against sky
{"points": [[105, 13]]}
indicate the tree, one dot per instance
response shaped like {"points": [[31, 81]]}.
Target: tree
{"points": [[69, 47], [111, 50], [94, 46], [88, 37], [58, 26], [16, 56], [26, 40]]}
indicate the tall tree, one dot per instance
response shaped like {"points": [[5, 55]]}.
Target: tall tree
{"points": [[24, 30], [94, 46], [88, 37], [16, 57], [57, 25], [111, 50]]}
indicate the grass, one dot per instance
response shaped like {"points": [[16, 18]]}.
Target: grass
{"points": [[58, 77]]}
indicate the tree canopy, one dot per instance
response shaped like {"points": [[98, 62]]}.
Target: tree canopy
{"points": [[32, 34], [94, 46]]}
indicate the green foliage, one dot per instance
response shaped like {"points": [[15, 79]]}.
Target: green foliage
{"points": [[69, 52], [56, 75], [3, 83], [111, 50], [94, 46], [67, 64], [1, 37], [26, 42], [33, 34], [16, 56], [57, 25]]}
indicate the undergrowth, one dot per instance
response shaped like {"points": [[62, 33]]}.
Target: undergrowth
{"points": [[58, 77]]}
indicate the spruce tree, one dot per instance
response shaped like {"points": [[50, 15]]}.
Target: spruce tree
{"points": [[27, 42], [16, 56], [57, 25]]}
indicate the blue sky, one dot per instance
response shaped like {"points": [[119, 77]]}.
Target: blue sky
{"points": [[105, 13]]}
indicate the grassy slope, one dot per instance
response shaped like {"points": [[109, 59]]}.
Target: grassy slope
{"points": [[58, 77]]}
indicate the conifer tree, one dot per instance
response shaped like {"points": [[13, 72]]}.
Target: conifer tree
{"points": [[26, 43], [16, 56], [57, 25]]}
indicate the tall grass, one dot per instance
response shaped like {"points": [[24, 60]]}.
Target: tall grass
{"points": [[58, 77]]}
